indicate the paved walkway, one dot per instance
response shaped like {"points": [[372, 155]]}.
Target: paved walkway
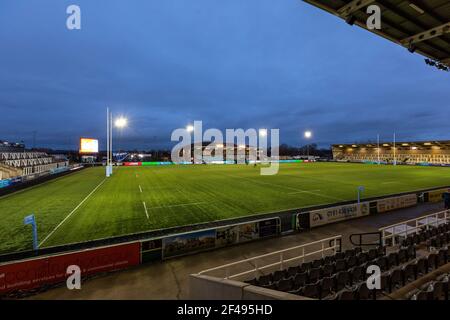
{"points": [[170, 279]]}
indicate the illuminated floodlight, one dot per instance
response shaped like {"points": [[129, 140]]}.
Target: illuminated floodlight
{"points": [[308, 134], [121, 122], [242, 146], [263, 132], [190, 128], [219, 145]]}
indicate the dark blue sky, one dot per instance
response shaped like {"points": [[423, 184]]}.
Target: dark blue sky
{"points": [[232, 64]]}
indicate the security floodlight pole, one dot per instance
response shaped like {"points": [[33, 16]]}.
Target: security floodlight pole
{"points": [[110, 143], [378, 147], [120, 123], [395, 155], [308, 135], [107, 142]]}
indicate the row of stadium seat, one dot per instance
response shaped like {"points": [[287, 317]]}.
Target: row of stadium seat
{"points": [[345, 278], [326, 266], [323, 277], [437, 236], [342, 275], [356, 278], [433, 290], [309, 271], [397, 277]]}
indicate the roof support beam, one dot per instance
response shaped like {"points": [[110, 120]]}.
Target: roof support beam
{"points": [[446, 62], [408, 17], [428, 34], [353, 6], [434, 14]]}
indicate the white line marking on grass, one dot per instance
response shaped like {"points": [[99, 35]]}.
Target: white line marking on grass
{"points": [[296, 190], [179, 205], [146, 212], [303, 191], [72, 212], [140, 189]]}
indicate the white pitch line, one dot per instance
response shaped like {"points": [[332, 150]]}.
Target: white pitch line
{"points": [[179, 205], [70, 214], [303, 191], [146, 212], [295, 189], [140, 189]]}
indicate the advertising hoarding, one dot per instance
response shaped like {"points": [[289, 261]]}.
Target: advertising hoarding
{"points": [[30, 274], [339, 213], [395, 203], [88, 145]]}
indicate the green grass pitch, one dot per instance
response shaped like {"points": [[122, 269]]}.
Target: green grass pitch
{"points": [[86, 206]]}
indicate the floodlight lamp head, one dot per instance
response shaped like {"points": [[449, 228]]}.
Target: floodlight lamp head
{"points": [[263, 132], [308, 134], [121, 122]]}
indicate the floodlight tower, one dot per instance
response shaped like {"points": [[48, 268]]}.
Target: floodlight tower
{"points": [[120, 123], [308, 135]]}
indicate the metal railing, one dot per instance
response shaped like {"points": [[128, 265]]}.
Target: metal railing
{"points": [[360, 237], [405, 228], [282, 259]]}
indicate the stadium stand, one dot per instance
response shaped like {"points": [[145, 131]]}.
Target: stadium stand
{"points": [[6, 146], [15, 161], [416, 266], [342, 276], [216, 153], [424, 152], [418, 26]]}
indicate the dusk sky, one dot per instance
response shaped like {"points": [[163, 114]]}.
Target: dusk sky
{"points": [[232, 64]]}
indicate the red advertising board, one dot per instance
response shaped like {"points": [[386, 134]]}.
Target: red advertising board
{"points": [[132, 164], [30, 274]]}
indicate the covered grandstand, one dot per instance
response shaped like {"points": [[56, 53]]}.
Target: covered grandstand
{"points": [[412, 258], [16, 161], [421, 26], [418, 152]]}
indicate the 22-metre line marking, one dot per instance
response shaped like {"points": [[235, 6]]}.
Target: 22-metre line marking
{"points": [[146, 212], [71, 213], [140, 189]]}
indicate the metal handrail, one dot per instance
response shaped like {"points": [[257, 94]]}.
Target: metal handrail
{"points": [[413, 229], [333, 242], [360, 235]]}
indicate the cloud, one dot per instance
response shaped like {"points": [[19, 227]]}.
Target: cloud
{"points": [[232, 64]]}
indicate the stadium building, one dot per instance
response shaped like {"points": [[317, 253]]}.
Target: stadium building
{"points": [[217, 153], [16, 161], [6, 146], [418, 152]]}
